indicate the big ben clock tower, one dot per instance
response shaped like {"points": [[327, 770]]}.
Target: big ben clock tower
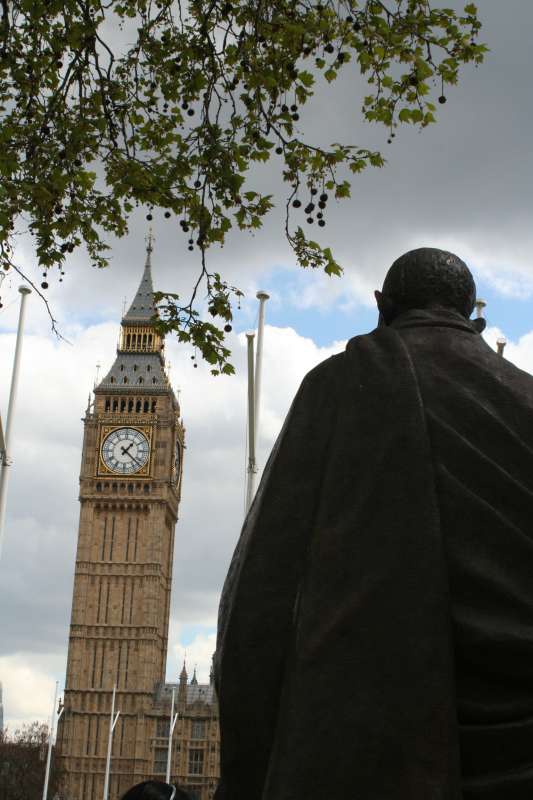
{"points": [[129, 493]]}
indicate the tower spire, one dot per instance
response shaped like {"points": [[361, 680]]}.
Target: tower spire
{"points": [[142, 308]]}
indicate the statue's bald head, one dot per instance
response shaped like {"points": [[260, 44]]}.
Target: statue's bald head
{"points": [[427, 278]]}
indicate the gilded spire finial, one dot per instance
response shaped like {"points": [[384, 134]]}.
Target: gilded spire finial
{"points": [[150, 239]]}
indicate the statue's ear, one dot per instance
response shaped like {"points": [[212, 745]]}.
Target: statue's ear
{"points": [[479, 324], [387, 309]]}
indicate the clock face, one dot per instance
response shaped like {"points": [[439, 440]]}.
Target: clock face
{"points": [[125, 451]]}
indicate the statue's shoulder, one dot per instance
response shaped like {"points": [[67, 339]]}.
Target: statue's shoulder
{"points": [[325, 370], [335, 365]]}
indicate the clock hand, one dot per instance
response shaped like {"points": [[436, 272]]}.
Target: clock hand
{"points": [[125, 449], [136, 461]]}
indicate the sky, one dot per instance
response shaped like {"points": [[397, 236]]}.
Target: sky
{"points": [[464, 185]]}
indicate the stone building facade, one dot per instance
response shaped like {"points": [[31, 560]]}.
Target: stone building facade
{"points": [[130, 485]]}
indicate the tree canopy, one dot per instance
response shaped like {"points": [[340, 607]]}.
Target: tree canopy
{"points": [[23, 763], [106, 106]]}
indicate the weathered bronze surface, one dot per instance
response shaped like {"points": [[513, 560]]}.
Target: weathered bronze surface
{"points": [[375, 635]]}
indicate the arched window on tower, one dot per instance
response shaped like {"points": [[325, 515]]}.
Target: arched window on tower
{"points": [[146, 406], [154, 406], [122, 405], [128, 341], [138, 406], [107, 404], [141, 379], [154, 380], [111, 379], [122, 367], [150, 341], [115, 405], [130, 405], [135, 367], [148, 368], [125, 379]]}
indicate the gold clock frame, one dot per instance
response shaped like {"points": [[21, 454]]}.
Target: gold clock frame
{"points": [[103, 469]]}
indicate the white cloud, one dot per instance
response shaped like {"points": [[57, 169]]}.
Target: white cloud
{"points": [[519, 353], [197, 654], [28, 688], [36, 569]]}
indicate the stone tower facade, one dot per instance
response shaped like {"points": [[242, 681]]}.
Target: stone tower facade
{"points": [[130, 480]]}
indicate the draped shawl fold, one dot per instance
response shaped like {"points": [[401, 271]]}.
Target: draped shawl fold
{"points": [[335, 665]]}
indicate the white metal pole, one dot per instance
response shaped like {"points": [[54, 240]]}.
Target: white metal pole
{"points": [[251, 423], [112, 722], [480, 306], [6, 462], [2, 443], [50, 737], [262, 297], [172, 725], [500, 345]]}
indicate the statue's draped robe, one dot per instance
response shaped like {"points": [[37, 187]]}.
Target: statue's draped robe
{"points": [[376, 626]]}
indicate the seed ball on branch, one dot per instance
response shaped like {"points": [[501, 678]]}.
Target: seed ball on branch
{"points": [[296, 203], [310, 220], [228, 328], [321, 222]]}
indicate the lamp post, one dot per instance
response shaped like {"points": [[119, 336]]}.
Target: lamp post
{"points": [[50, 739], [173, 720], [5, 437], [113, 718]]}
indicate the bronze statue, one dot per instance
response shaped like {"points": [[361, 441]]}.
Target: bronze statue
{"points": [[375, 635]]}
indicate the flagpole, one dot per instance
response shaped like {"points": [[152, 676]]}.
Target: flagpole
{"points": [[262, 296], [251, 423], [6, 437], [172, 721], [112, 722]]}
